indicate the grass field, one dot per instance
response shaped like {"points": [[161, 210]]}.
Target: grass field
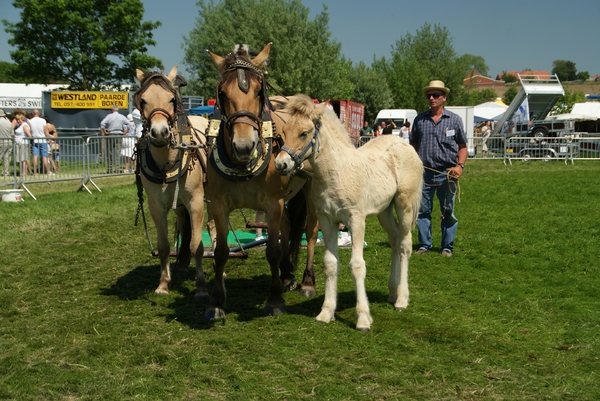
{"points": [[513, 315]]}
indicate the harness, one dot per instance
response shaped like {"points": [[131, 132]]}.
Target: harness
{"points": [[181, 137], [220, 125]]}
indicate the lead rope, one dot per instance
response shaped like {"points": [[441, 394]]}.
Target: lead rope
{"points": [[448, 183], [140, 188]]}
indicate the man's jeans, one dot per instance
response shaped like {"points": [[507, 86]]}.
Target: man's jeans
{"points": [[446, 193]]}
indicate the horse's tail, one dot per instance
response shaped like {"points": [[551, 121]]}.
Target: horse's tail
{"points": [[183, 238], [297, 213]]}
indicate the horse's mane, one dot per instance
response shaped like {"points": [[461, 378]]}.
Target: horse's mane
{"points": [[302, 104]]}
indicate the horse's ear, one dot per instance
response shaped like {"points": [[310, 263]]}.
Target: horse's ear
{"points": [[261, 58], [172, 75], [219, 61], [318, 111], [139, 74]]}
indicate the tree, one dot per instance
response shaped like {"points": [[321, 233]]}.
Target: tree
{"points": [[508, 78], [583, 76], [92, 44], [370, 90], [417, 59], [9, 72], [303, 58], [477, 97], [564, 70], [565, 103], [510, 94], [471, 62]]}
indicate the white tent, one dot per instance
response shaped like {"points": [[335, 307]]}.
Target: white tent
{"points": [[489, 111], [581, 111]]}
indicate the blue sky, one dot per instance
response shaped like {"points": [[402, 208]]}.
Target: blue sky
{"points": [[510, 34]]}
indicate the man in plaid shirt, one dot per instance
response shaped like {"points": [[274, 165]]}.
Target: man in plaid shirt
{"points": [[439, 138]]}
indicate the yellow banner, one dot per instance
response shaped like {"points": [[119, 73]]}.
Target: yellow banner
{"points": [[89, 100]]}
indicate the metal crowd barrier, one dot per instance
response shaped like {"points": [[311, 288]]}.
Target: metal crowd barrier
{"points": [[69, 158]]}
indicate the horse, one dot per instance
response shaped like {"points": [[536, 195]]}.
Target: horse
{"points": [[171, 168], [241, 174], [350, 184]]}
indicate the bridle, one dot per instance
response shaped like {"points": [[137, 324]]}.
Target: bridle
{"points": [[177, 121], [299, 157], [220, 122]]}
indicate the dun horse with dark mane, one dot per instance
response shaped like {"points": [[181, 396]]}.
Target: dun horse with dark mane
{"points": [[171, 170], [241, 174]]}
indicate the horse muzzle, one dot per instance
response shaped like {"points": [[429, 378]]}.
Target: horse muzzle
{"points": [[284, 164]]}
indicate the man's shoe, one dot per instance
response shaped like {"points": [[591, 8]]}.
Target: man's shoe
{"points": [[421, 251], [447, 253]]}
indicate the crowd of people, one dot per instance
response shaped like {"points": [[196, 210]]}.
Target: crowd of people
{"points": [[35, 150]]}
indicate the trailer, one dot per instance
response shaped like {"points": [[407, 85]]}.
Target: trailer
{"points": [[525, 131], [467, 114], [351, 114]]}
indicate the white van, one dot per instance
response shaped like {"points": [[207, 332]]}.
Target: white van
{"points": [[399, 116]]}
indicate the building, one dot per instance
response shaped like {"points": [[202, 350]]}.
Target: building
{"points": [[529, 74], [474, 78]]}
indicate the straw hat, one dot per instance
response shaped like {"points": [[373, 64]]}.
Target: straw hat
{"points": [[436, 85]]}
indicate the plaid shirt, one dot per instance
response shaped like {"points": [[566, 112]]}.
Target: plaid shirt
{"points": [[437, 144]]}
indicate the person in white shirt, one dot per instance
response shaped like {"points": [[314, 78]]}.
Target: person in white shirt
{"points": [[39, 130]]}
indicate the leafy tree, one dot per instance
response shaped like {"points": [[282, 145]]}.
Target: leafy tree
{"points": [[565, 103], [564, 70], [510, 94], [477, 97], [583, 76], [9, 72], [370, 90], [303, 58], [508, 78], [91, 44], [417, 59], [471, 62]]}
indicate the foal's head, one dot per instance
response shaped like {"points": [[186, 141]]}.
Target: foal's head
{"points": [[241, 99], [158, 101], [299, 133]]}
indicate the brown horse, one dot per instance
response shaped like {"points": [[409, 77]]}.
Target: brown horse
{"points": [[171, 168], [241, 174]]}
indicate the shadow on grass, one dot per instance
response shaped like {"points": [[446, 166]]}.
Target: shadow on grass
{"points": [[246, 297]]}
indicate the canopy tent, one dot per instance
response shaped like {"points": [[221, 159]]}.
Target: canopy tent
{"points": [[489, 111], [202, 110], [581, 112]]}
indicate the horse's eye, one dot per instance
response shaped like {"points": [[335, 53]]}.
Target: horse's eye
{"points": [[173, 101], [142, 103], [304, 134]]}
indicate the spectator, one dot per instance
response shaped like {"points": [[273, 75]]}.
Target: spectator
{"points": [[128, 143], [366, 130], [377, 130], [486, 131], [6, 134], [388, 126], [39, 131], [114, 124], [439, 138], [22, 133], [260, 216], [54, 147], [405, 132]]}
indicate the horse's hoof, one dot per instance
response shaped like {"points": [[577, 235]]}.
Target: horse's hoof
{"points": [[161, 291], [325, 317], [308, 292], [363, 329], [274, 310], [289, 285], [214, 314]]}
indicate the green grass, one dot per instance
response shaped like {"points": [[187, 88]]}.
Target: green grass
{"points": [[513, 315]]}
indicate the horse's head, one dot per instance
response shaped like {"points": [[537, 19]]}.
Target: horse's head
{"points": [[300, 132], [241, 98], [158, 101]]}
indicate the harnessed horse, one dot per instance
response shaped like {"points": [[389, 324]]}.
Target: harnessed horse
{"points": [[241, 174], [171, 169]]}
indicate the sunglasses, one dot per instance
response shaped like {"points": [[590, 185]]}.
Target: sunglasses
{"points": [[435, 95]]}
